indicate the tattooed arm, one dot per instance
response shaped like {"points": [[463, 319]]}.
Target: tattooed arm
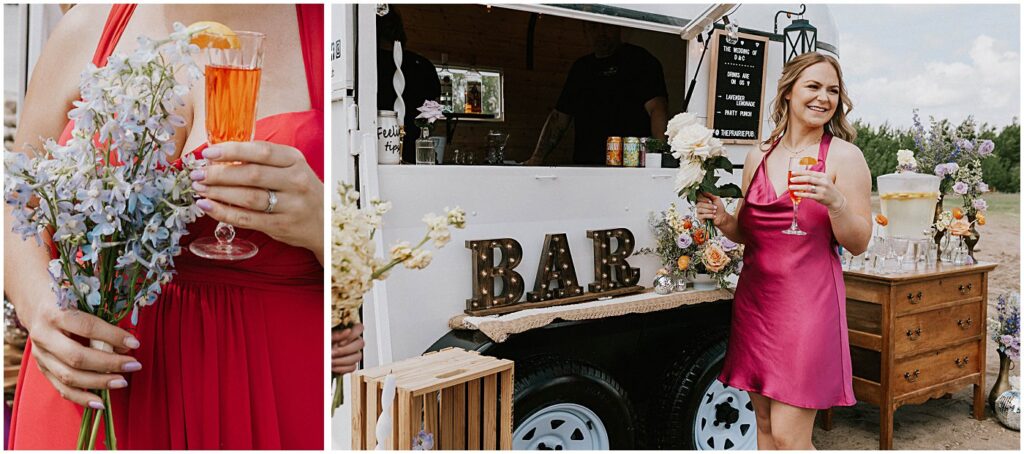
{"points": [[554, 128]]}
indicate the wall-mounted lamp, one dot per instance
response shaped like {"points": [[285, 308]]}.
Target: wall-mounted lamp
{"points": [[799, 37]]}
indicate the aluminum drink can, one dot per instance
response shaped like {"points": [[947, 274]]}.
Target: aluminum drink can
{"points": [[631, 152], [643, 152], [613, 151]]}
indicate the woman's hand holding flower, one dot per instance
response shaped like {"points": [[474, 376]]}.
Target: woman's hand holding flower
{"points": [[240, 194]]}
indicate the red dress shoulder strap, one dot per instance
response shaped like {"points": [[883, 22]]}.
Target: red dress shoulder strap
{"points": [[311, 34], [117, 21]]}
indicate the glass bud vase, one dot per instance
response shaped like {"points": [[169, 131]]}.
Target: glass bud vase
{"points": [[425, 151]]}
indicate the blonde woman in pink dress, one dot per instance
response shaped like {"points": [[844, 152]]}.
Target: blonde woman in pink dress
{"points": [[788, 344]]}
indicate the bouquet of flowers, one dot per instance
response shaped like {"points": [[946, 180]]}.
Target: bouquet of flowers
{"points": [[354, 261], [686, 247], [114, 207], [699, 155], [955, 156], [1005, 326]]}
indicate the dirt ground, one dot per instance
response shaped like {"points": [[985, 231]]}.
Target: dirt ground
{"points": [[947, 423]]}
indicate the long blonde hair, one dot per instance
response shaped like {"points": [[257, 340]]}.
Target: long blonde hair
{"points": [[838, 126]]}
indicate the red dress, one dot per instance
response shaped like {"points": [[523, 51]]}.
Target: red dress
{"points": [[233, 352], [788, 339]]}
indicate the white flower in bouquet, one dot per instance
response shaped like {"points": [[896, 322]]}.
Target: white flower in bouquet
{"points": [[689, 176], [353, 258], [689, 139], [905, 161], [678, 122]]}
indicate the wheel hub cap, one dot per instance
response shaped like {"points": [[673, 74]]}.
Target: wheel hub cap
{"points": [[561, 427], [725, 420]]}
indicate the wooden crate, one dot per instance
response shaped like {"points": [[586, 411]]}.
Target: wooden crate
{"points": [[463, 398]]}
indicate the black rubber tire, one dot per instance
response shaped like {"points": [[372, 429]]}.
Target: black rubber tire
{"points": [[549, 380], [683, 391]]}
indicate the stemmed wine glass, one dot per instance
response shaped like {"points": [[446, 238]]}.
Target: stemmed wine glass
{"points": [[233, 72], [796, 163]]}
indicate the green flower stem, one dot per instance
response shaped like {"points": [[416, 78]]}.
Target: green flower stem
{"points": [[109, 418], [83, 432], [95, 429], [339, 393]]}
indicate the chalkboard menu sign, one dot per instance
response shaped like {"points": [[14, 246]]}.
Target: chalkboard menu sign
{"points": [[736, 87]]}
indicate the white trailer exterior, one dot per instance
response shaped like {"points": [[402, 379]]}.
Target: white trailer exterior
{"points": [[409, 312]]}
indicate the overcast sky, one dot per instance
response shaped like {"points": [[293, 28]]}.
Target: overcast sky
{"points": [[949, 61]]}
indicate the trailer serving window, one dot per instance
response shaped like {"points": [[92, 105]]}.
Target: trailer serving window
{"points": [[524, 53]]}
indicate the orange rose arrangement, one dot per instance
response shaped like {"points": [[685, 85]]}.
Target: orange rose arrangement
{"points": [[687, 249]]}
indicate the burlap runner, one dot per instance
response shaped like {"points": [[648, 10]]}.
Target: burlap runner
{"points": [[500, 327]]}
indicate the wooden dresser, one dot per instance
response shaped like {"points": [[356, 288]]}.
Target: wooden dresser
{"points": [[916, 336]]}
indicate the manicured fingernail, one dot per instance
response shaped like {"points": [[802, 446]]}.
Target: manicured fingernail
{"points": [[204, 204], [211, 153], [198, 175], [132, 366], [117, 383], [96, 405], [131, 342], [199, 187]]}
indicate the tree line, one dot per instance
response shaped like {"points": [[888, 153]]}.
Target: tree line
{"points": [[1001, 170]]}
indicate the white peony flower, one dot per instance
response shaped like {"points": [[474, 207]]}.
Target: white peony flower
{"points": [[689, 176], [678, 122], [689, 140]]}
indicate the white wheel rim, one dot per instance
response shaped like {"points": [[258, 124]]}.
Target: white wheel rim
{"points": [[730, 408], [561, 427]]}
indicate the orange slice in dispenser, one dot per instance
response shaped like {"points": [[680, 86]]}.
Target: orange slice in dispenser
{"points": [[213, 34], [808, 161], [881, 219]]}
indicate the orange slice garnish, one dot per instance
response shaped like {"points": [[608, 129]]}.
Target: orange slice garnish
{"points": [[808, 161], [213, 34], [881, 219]]}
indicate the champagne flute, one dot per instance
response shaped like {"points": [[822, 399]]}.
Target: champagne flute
{"points": [[233, 73], [796, 163]]}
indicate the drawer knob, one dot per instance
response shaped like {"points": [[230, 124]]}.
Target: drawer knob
{"points": [[914, 299], [961, 362], [965, 288], [912, 376], [914, 334], [964, 324]]}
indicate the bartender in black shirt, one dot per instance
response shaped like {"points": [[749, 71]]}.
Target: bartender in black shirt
{"points": [[619, 90], [421, 82]]}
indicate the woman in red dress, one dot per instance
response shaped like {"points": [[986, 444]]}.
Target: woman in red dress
{"points": [[788, 344], [231, 355]]}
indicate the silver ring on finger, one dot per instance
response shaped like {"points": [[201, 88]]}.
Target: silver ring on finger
{"points": [[271, 201]]}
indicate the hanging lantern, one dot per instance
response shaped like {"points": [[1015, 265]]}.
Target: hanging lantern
{"points": [[799, 38]]}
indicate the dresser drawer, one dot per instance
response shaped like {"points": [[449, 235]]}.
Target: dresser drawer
{"points": [[920, 295], [923, 331], [935, 367]]}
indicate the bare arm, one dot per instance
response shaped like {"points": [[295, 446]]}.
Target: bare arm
{"points": [[657, 109], [846, 193], [554, 128], [852, 224]]}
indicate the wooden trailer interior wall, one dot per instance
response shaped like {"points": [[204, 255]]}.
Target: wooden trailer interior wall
{"points": [[497, 38]]}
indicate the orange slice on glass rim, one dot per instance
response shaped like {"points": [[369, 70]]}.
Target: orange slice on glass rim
{"points": [[808, 161], [213, 34]]}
